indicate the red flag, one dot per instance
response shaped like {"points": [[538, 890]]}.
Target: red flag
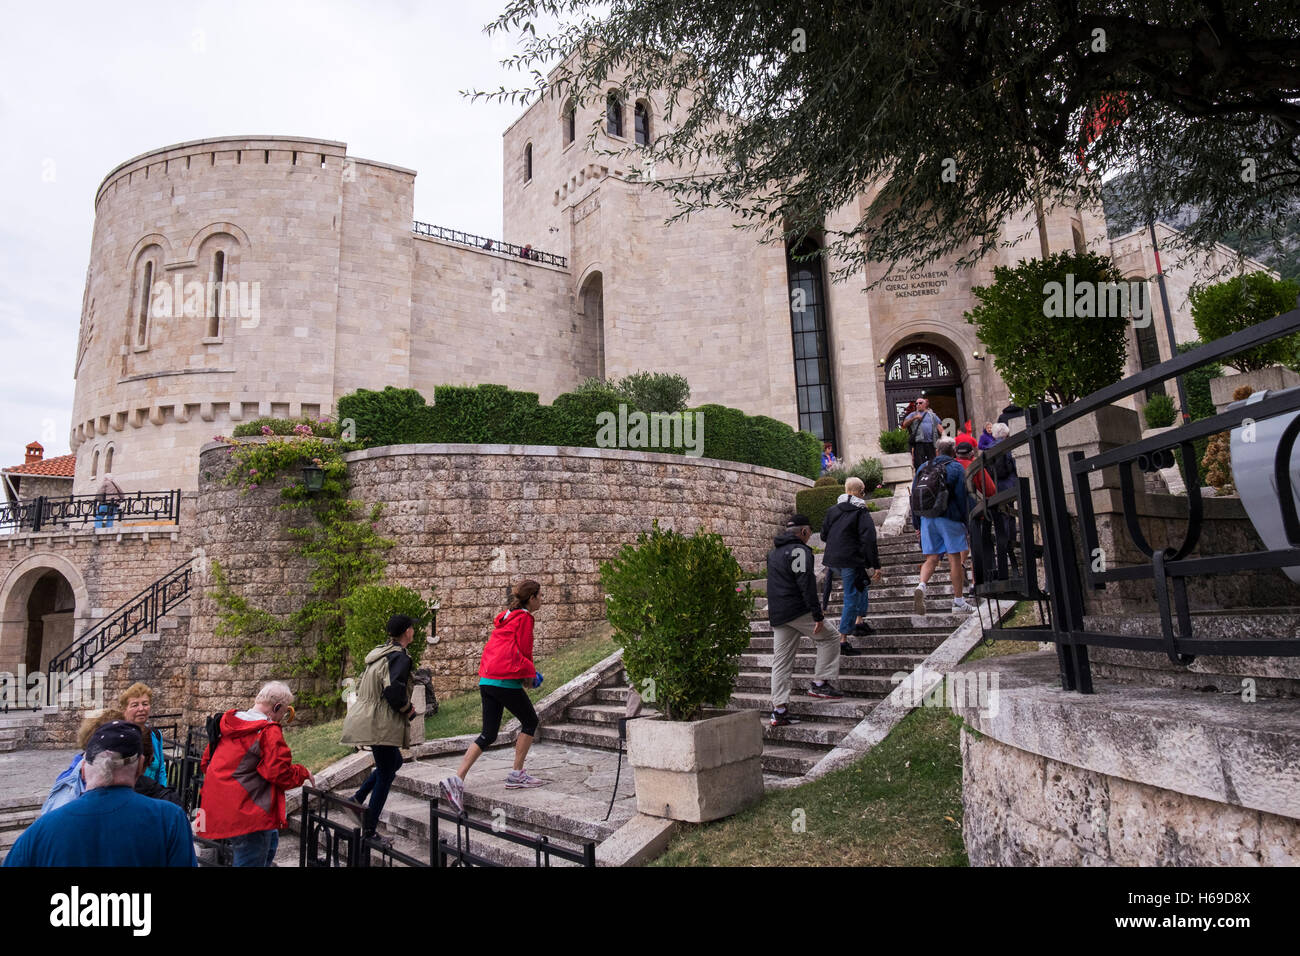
{"points": [[1110, 110]]}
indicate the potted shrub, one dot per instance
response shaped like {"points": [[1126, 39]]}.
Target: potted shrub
{"points": [[682, 617], [1239, 303]]}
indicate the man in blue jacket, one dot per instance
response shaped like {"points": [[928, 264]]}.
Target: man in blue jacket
{"points": [[110, 824], [945, 534], [794, 612]]}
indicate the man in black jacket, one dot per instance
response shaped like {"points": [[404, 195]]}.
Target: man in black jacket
{"points": [[794, 612], [850, 538]]}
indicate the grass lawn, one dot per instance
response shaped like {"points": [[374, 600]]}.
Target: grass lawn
{"points": [[900, 805], [317, 746]]}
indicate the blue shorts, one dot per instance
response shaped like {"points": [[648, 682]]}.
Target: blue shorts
{"points": [[942, 536]]}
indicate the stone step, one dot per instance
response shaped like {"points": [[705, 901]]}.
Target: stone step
{"points": [[805, 663], [407, 817], [891, 623], [549, 813], [788, 761], [604, 736], [896, 642], [19, 818], [849, 710], [816, 730], [849, 684]]}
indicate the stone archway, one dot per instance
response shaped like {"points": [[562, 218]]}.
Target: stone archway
{"points": [[591, 328], [920, 368], [43, 603]]}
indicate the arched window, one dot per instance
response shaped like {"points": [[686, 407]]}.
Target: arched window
{"points": [[641, 117], [94, 464], [1080, 245], [613, 115], [570, 124], [528, 163], [108, 460], [216, 293], [142, 322], [812, 365]]}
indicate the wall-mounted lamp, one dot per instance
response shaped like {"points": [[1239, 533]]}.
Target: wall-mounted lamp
{"points": [[882, 363], [979, 356]]}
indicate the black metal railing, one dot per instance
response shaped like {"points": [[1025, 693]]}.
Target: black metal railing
{"points": [[489, 245], [461, 853], [1065, 537], [183, 761], [103, 511], [139, 615]]}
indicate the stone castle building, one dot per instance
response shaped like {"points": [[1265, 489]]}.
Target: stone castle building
{"points": [[241, 277]]}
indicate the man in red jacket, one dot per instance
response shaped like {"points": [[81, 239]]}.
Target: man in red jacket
{"points": [[246, 775]]}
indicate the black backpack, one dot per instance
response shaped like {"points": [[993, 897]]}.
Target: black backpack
{"points": [[930, 490], [213, 727]]}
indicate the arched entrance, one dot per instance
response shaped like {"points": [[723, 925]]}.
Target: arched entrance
{"points": [[44, 604], [590, 353], [919, 369]]}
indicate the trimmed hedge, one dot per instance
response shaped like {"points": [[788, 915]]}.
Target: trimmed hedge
{"points": [[815, 502], [893, 442], [495, 414], [285, 426]]}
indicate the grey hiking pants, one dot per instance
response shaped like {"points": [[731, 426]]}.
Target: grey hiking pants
{"points": [[785, 644]]}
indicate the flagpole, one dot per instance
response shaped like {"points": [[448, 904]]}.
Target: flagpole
{"points": [[1160, 283]]}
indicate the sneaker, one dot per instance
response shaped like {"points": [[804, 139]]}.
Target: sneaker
{"points": [[521, 780], [783, 718], [374, 839], [847, 649], [453, 791], [918, 599], [826, 691], [863, 630], [959, 606]]}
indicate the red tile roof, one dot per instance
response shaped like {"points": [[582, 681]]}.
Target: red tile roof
{"points": [[64, 466]]}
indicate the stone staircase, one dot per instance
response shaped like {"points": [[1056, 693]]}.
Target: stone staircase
{"points": [[15, 817], [901, 642], [578, 752]]}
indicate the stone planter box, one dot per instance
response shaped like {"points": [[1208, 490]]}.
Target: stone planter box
{"points": [[897, 468], [1270, 379], [697, 770]]}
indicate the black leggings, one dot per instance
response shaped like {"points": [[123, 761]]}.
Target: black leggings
{"points": [[495, 700]]}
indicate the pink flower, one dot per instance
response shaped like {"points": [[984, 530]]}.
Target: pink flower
{"points": [[266, 430], [253, 486], [252, 471], [303, 430]]}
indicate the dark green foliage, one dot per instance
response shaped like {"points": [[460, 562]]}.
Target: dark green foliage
{"points": [[883, 493], [815, 502], [1043, 355], [573, 418], [485, 415], [655, 391], [1196, 384], [827, 480], [1235, 304], [395, 416], [726, 435], [952, 117], [368, 609], [893, 442], [681, 617], [1159, 411]]}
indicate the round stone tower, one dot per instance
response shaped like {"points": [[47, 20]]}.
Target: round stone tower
{"points": [[230, 279]]}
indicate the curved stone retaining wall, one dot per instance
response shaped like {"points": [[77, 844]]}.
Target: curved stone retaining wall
{"points": [[468, 520]]}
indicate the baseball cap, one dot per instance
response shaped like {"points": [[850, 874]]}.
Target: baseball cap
{"points": [[120, 736], [798, 521]]}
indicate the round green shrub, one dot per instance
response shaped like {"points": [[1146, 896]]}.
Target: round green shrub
{"points": [[681, 616], [827, 480], [893, 442], [815, 502], [368, 609], [1159, 411]]}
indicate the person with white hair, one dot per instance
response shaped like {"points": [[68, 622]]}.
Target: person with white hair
{"points": [[110, 824], [247, 770]]}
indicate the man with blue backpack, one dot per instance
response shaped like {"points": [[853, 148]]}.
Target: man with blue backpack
{"points": [[940, 505]]}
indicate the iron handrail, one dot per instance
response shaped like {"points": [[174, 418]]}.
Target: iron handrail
{"points": [[41, 511], [139, 614], [488, 244]]}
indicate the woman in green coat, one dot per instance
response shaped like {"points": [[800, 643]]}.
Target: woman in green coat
{"points": [[381, 718]]}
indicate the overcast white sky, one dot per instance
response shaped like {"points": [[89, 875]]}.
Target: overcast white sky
{"points": [[85, 86]]}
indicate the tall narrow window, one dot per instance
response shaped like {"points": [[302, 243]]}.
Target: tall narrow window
{"points": [[570, 124], [94, 464], [216, 293], [528, 162], [812, 366], [642, 118], [613, 115], [108, 461], [1080, 245], [142, 326]]}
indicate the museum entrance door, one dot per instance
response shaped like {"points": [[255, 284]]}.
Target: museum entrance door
{"points": [[921, 370]]}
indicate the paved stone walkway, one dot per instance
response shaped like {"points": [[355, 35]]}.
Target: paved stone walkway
{"points": [[27, 775]]}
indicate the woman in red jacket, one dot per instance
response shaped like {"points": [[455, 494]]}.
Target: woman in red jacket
{"points": [[506, 664]]}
